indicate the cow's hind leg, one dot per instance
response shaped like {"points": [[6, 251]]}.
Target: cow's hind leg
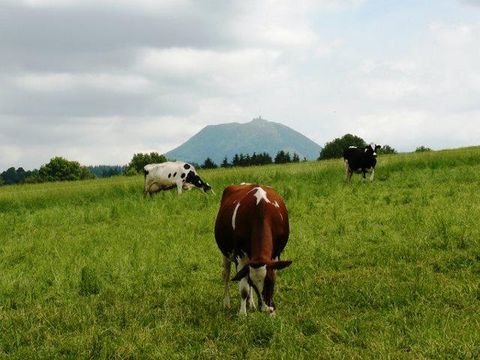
{"points": [[243, 286], [226, 279], [251, 303]]}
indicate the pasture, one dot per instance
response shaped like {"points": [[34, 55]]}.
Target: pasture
{"points": [[388, 269]]}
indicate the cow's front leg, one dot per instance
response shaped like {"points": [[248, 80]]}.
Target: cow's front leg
{"points": [[372, 174], [226, 279], [179, 189], [348, 172]]}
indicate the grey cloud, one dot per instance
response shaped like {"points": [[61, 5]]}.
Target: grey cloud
{"points": [[471, 2], [79, 38]]}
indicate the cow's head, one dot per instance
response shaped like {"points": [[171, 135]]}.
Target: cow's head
{"points": [[192, 178], [262, 277], [372, 149]]}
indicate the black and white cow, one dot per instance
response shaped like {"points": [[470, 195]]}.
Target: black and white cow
{"points": [[360, 160], [170, 174]]}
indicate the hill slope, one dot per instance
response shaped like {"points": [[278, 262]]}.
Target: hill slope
{"points": [[218, 141]]}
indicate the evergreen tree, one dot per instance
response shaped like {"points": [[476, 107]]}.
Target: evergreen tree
{"points": [[282, 157], [209, 164], [225, 163], [236, 160]]}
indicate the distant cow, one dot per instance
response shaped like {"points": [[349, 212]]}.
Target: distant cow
{"points": [[360, 160], [252, 230], [169, 175]]}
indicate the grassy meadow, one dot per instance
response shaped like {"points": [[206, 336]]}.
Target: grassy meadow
{"points": [[388, 269]]}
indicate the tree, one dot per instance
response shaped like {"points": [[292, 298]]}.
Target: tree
{"points": [[12, 176], [9, 176], [225, 163], [422, 149], [334, 149], [60, 169], [106, 170], [236, 160], [209, 164], [295, 158], [140, 160], [282, 157], [386, 149]]}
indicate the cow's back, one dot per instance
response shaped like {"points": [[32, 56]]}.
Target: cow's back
{"points": [[358, 158], [246, 210]]}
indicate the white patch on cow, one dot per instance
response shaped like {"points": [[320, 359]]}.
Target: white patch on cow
{"points": [[250, 301], [372, 145], [281, 216], [276, 204], [352, 147], [235, 215], [244, 183], [260, 194], [257, 276], [243, 285]]}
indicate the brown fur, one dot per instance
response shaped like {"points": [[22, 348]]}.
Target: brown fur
{"points": [[261, 231]]}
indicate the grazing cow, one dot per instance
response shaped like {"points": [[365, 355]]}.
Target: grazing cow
{"points": [[169, 175], [252, 230], [360, 160]]}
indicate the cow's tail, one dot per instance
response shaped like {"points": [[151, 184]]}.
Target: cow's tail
{"points": [[145, 190]]}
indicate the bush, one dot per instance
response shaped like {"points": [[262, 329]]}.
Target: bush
{"points": [[422, 149], [386, 149], [60, 169]]}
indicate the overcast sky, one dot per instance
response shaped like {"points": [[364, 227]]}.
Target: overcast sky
{"points": [[98, 80]]}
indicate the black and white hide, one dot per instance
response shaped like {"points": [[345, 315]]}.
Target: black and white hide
{"points": [[168, 175], [360, 160]]}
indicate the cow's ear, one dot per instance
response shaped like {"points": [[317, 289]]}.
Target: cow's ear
{"points": [[281, 264], [241, 274], [378, 147]]}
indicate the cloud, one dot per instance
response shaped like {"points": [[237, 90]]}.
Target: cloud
{"points": [[100, 80]]}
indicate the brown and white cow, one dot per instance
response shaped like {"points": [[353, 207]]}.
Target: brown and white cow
{"points": [[252, 230]]}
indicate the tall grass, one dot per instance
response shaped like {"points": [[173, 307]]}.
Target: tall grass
{"points": [[388, 269]]}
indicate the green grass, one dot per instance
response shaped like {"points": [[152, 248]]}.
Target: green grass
{"points": [[389, 269]]}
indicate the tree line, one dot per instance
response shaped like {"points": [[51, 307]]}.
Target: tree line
{"points": [[254, 159], [61, 169]]}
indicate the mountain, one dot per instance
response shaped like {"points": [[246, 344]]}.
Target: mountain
{"points": [[258, 135]]}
